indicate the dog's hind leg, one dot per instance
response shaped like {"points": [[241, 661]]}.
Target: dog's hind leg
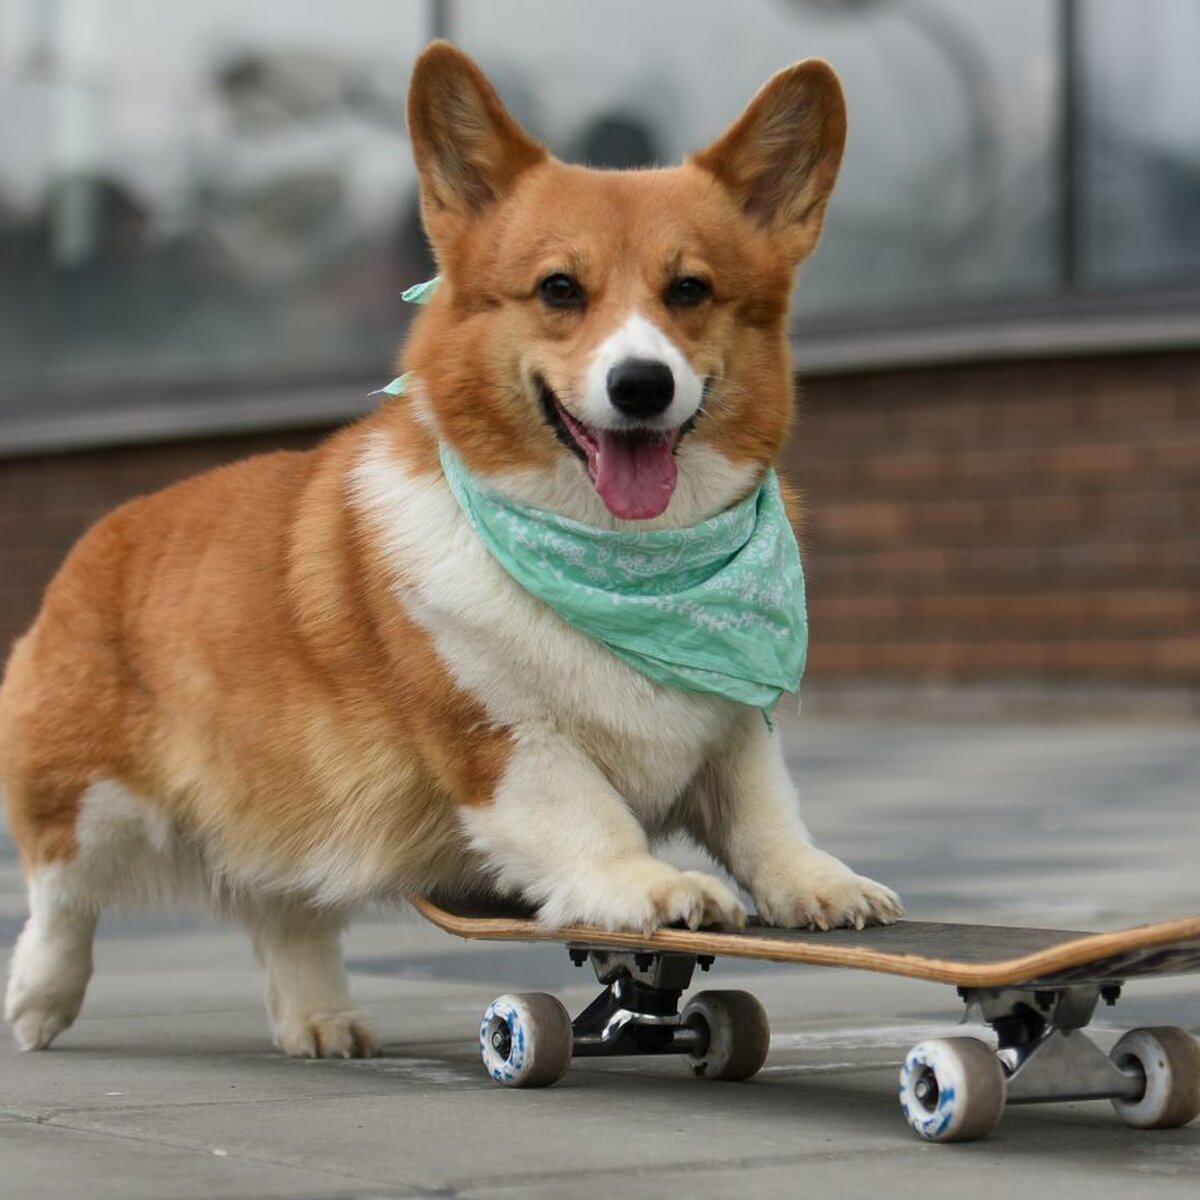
{"points": [[52, 961], [85, 847], [308, 1000]]}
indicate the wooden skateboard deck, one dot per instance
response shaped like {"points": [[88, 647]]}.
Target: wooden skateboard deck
{"points": [[966, 955]]}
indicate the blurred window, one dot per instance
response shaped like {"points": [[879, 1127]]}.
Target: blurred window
{"points": [[201, 190], [1140, 147], [196, 196]]}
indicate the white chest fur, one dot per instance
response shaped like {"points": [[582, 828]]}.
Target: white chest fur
{"points": [[523, 662]]}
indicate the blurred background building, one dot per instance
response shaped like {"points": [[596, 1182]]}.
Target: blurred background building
{"points": [[208, 211]]}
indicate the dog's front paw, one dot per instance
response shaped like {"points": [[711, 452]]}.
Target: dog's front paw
{"points": [[814, 890], [643, 894], [335, 1035]]}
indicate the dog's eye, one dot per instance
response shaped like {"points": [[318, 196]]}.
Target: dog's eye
{"points": [[561, 291], [687, 291]]}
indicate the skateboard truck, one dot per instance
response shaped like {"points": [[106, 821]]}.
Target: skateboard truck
{"points": [[528, 1040], [956, 1089], [1043, 1050], [638, 1010]]}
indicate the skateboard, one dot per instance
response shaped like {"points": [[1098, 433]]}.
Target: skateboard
{"points": [[1036, 988]]}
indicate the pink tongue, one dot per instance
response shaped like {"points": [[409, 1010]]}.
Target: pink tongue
{"points": [[635, 476]]}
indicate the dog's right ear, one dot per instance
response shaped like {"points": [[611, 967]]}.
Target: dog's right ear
{"points": [[468, 149]]}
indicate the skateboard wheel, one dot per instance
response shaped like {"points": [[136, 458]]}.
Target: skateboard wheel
{"points": [[526, 1039], [952, 1089], [1169, 1059], [739, 1034]]}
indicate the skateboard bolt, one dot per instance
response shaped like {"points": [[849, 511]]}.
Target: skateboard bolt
{"points": [[926, 1090], [502, 1042]]}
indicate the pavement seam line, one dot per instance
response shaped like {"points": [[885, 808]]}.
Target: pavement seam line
{"points": [[232, 1155]]}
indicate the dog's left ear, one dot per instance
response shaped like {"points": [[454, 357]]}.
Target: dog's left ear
{"points": [[780, 158], [468, 149]]}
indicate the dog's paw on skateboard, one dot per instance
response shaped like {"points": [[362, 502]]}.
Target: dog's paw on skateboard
{"points": [[817, 891], [642, 895]]}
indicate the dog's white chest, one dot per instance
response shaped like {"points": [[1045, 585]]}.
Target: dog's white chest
{"points": [[524, 663]]}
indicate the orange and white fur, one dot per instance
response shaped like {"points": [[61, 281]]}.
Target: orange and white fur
{"points": [[298, 685]]}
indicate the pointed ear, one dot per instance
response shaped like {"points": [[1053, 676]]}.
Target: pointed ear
{"points": [[468, 149], [780, 158]]}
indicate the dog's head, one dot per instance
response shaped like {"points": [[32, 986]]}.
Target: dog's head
{"points": [[612, 345]]}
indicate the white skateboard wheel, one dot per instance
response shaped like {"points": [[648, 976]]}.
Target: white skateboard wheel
{"points": [[952, 1089], [1169, 1059], [526, 1039], [739, 1034]]}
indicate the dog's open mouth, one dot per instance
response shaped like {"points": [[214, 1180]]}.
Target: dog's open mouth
{"points": [[633, 470]]}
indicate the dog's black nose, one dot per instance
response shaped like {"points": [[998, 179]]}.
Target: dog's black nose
{"points": [[640, 387]]}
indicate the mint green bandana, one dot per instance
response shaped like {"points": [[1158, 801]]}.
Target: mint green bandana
{"points": [[716, 607], [421, 293]]}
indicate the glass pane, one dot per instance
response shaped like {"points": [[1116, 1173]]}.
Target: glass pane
{"points": [[946, 191], [218, 188], [225, 189], [1140, 153]]}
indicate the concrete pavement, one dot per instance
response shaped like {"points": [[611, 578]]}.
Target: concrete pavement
{"points": [[167, 1087]]}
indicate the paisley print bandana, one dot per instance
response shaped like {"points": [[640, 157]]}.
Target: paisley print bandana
{"points": [[716, 607]]}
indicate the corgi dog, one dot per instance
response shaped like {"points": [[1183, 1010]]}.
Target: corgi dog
{"points": [[301, 684]]}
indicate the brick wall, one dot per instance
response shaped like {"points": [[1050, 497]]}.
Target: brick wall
{"points": [[1018, 521], [48, 501], [1034, 521]]}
